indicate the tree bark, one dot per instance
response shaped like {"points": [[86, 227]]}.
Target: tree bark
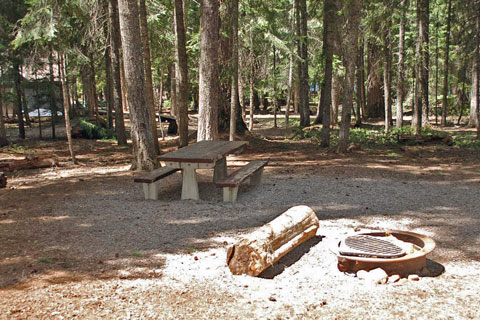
{"points": [[252, 96], [115, 44], [53, 94], [375, 102], [304, 106], [3, 132], [352, 14], [109, 86], [446, 66], [387, 77], [147, 65], [181, 75], [18, 93], [423, 56], [143, 148], [289, 92], [66, 107], [262, 248], [360, 85], [474, 104], [234, 90], [401, 65], [209, 90], [327, 55]]}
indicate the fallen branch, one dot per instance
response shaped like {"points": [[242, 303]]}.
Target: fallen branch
{"points": [[261, 249], [28, 163]]}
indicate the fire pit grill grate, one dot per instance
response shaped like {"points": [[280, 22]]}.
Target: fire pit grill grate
{"points": [[370, 246]]}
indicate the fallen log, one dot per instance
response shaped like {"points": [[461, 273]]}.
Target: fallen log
{"points": [[265, 246], [28, 163]]}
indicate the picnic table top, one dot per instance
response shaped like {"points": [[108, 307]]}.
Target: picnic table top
{"points": [[203, 151]]}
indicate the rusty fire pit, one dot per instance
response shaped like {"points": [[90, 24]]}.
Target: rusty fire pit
{"points": [[412, 262]]}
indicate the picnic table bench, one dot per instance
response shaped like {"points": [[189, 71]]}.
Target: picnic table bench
{"points": [[151, 181], [230, 184]]}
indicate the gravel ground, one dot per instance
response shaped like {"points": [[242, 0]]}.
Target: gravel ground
{"points": [[81, 242]]}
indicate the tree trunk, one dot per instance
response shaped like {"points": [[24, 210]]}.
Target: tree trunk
{"points": [[181, 75], [66, 107], [375, 102], [303, 97], [387, 77], [423, 16], [401, 65], [336, 95], [262, 248], [327, 52], [173, 91], [3, 132], [289, 92], [115, 44], [53, 94], [474, 104], [147, 64], [234, 90], [143, 148], [352, 14], [209, 90], [359, 75], [275, 99], [108, 87], [24, 103], [446, 66], [18, 93], [252, 96]]}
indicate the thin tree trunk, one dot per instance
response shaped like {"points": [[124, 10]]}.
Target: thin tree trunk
{"points": [[108, 87], [38, 108], [401, 64], [24, 102], [352, 12], [359, 107], [304, 107], [147, 64], [143, 148], [275, 100], [18, 93], [327, 52], [437, 26], [66, 107], [446, 66], [423, 12], [3, 132], [234, 90], [53, 94], [387, 76], [209, 90], [115, 44], [475, 109], [252, 96], [289, 92], [181, 75]]}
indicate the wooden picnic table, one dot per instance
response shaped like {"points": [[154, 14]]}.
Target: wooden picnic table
{"points": [[201, 155]]}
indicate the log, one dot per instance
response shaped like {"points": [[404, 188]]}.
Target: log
{"points": [[265, 246], [28, 163]]}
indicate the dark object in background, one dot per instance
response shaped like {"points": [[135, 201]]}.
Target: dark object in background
{"points": [[3, 180]]}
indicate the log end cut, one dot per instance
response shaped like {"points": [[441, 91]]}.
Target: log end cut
{"points": [[257, 251]]}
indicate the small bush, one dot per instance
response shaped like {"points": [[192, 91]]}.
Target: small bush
{"points": [[92, 131]]}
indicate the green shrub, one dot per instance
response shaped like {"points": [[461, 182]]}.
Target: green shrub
{"points": [[93, 131]]}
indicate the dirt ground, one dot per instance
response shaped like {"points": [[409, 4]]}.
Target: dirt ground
{"points": [[80, 242]]}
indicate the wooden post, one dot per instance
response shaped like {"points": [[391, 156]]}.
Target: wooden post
{"points": [[262, 248]]}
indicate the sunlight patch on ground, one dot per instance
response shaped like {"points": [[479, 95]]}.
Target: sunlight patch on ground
{"points": [[7, 221], [188, 221], [50, 218]]}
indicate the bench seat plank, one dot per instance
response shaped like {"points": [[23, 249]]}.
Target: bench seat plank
{"points": [[237, 177], [155, 175]]}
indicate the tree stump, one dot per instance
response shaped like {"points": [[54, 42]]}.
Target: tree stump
{"points": [[265, 246]]}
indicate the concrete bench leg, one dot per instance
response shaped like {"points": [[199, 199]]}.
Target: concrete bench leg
{"points": [[230, 194], [256, 178], [220, 170], [189, 184], [150, 190]]}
